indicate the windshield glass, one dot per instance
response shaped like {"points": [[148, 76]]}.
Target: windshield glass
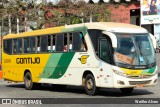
{"points": [[134, 50]]}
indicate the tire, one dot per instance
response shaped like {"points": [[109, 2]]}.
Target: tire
{"points": [[126, 91], [157, 50], [28, 83], [90, 85]]}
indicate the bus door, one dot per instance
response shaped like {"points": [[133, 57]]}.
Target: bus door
{"points": [[105, 62]]}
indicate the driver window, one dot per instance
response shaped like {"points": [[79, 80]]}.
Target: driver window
{"points": [[104, 50]]}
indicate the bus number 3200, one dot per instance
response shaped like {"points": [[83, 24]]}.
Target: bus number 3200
{"points": [[7, 60]]}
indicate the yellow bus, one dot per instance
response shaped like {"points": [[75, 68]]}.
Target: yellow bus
{"points": [[92, 55]]}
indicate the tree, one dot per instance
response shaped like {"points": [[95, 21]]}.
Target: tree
{"points": [[29, 13], [33, 15], [76, 11]]}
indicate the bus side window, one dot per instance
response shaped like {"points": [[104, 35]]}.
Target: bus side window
{"points": [[59, 42], [49, 44], [70, 42], [105, 49], [65, 46], [43, 44], [14, 45], [32, 44], [78, 42], [8, 46], [26, 45], [53, 43], [94, 35], [38, 44], [17, 45]]}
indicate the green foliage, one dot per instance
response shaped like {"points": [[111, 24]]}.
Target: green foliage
{"points": [[79, 10], [65, 12]]}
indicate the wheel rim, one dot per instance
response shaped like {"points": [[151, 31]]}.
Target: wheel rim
{"points": [[89, 84], [28, 81]]}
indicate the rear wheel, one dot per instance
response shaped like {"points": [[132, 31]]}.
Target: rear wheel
{"points": [[126, 91], [28, 82], [90, 85]]}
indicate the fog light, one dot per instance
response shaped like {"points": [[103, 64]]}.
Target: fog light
{"points": [[155, 80], [120, 82]]}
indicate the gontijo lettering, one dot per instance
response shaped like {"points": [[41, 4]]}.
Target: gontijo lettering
{"points": [[28, 60]]}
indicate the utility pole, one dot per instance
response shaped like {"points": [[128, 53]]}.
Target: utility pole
{"points": [[17, 25], [2, 26], [25, 19], [9, 23]]}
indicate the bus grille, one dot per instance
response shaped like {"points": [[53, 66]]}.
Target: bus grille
{"points": [[140, 77], [139, 82]]}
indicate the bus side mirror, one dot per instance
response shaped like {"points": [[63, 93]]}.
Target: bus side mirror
{"points": [[133, 49], [153, 40]]}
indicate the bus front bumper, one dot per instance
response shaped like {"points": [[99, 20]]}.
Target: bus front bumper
{"points": [[124, 82]]}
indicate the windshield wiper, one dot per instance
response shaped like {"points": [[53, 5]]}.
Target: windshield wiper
{"points": [[145, 58], [131, 64], [134, 52]]}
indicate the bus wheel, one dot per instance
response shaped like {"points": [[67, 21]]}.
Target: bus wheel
{"points": [[28, 81], [90, 86], [126, 91]]}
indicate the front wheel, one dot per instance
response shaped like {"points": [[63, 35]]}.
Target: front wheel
{"points": [[126, 91], [90, 86]]}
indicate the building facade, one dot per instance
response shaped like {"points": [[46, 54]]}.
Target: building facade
{"points": [[125, 11]]}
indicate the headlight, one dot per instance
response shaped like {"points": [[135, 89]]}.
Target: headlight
{"points": [[120, 73]]}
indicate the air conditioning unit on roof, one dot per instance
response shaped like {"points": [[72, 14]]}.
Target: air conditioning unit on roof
{"points": [[106, 1], [117, 0]]}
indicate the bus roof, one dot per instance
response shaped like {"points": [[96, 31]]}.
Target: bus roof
{"points": [[112, 27], [107, 26]]}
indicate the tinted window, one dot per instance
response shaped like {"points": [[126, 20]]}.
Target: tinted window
{"points": [[70, 42], [104, 50], [26, 45], [59, 42], [17, 45], [32, 44], [8, 46], [78, 42], [94, 35], [53, 43], [38, 44], [49, 44], [65, 46], [44, 43]]}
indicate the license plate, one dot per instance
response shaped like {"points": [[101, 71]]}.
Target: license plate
{"points": [[140, 85], [134, 73]]}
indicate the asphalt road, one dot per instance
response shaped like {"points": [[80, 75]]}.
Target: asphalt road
{"points": [[17, 90]]}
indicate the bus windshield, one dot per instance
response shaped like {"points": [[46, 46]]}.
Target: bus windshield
{"points": [[134, 51]]}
